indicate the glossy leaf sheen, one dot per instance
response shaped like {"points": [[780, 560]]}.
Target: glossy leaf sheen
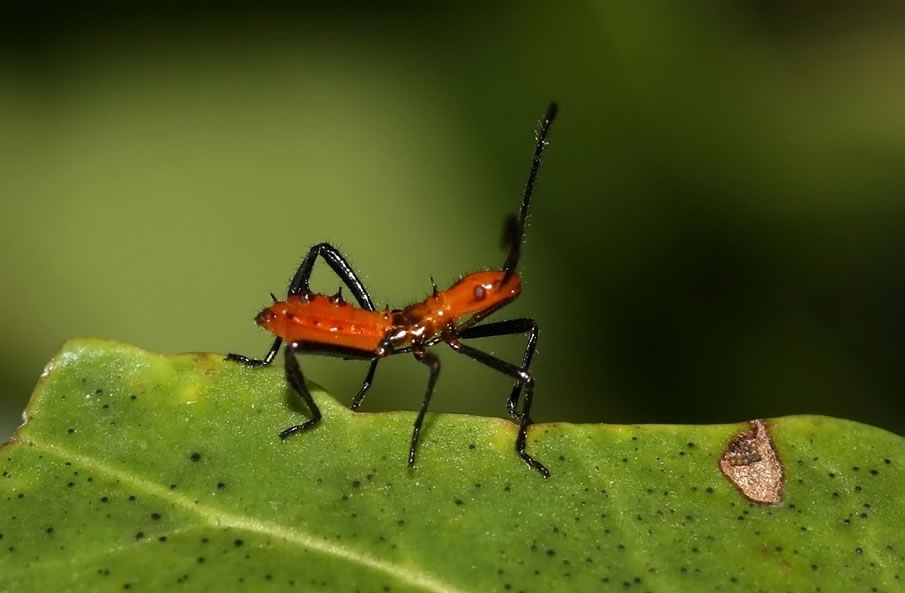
{"points": [[143, 472]]}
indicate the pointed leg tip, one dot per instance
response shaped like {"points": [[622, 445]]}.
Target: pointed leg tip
{"points": [[536, 465], [540, 467]]}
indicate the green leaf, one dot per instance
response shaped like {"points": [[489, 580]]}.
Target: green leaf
{"points": [[150, 473]]}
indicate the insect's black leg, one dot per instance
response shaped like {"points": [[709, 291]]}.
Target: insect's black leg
{"points": [[256, 362], [526, 380], [300, 285], [514, 230], [433, 363], [339, 265], [297, 382], [505, 328], [369, 378], [300, 281]]}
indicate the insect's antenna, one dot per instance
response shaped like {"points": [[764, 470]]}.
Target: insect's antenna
{"points": [[514, 229]]}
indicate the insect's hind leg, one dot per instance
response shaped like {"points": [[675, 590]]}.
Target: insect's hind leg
{"points": [[300, 284], [506, 328], [297, 381], [336, 261], [527, 381]]}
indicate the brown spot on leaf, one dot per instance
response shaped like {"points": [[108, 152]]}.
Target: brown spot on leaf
{"points": [[750, 462]]}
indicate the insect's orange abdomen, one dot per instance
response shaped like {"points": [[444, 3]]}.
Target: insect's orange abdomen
{"points": [[324, 320]]}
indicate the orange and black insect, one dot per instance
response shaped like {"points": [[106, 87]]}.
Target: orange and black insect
{"points": [[327, 325]]}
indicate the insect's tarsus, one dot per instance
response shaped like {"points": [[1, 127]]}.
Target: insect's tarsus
{"points": [[316, 324]]}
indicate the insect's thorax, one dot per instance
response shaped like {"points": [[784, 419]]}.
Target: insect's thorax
{"points": [[442, 311], [421, 322]]}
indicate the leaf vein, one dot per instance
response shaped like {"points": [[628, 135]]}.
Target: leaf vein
{"points": [[223, 519]]}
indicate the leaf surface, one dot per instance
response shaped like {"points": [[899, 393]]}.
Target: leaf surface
{"points": [[141, 472]]}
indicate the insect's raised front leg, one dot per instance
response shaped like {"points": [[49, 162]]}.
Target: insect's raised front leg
{"points": [[506, 328], [526, 380], [514, 231]]}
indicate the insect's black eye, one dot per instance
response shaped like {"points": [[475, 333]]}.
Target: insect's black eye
{"points": [[480, 292]]}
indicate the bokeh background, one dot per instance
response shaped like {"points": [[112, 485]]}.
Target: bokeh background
{"points": [[717, 232]]}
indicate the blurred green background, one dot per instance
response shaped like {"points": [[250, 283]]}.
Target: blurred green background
{"points": [[717, 232]]}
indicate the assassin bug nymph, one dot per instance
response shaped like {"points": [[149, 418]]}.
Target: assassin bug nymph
{"points": [[317, 324]]}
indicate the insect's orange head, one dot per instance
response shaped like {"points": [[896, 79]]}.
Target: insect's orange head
{"points": [[481, 291]]}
